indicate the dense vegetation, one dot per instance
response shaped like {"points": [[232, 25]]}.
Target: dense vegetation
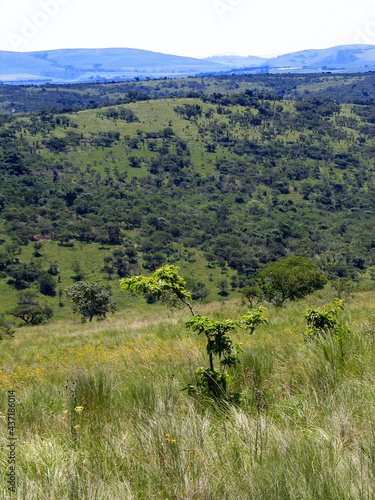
{"points": [[245, 179]]}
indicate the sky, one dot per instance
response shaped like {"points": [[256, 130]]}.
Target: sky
{"points": [[195, 28]]}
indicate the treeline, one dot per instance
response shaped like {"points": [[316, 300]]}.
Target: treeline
{"points": [[344, 88]]}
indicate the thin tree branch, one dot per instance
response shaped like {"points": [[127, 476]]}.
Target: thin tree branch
{"points": [[189, 306]]}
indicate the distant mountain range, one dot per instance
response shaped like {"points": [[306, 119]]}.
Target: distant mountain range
{"points": [[343, 58], [85, 65]]}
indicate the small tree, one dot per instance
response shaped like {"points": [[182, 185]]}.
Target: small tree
{"points": [[344, 287], [165, 284], [30, 310], [53, 269], [37, 246], [323, 323], [103, 240], [211, 380], [47, 285], [60, 294], [251, 293], [13, 249], [323, 320], [65, 237], [108, 267], [90, 299], [234, 281], [223, 286], [290, 278], [78, 271], [199, 291]]}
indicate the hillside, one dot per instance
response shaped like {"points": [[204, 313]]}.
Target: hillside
{"points": [[229, 182], [138, 405], [342, 58], [76, 65], [349, 58]]}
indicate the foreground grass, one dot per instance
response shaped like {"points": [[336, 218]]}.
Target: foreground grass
{"points": [[304, 430]]}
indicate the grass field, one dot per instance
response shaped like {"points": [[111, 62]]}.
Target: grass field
{"points": [[304, 430]]}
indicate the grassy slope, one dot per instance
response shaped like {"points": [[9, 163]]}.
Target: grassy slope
{"points": [[140, 437]]}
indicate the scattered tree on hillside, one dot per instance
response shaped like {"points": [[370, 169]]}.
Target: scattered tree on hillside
{"points": [[251, 293], [90, 300], [78, 271], [223, 286], [30, 310], [344, 287], [290, 278], [37, 246], [47, 285], [13, 249]]}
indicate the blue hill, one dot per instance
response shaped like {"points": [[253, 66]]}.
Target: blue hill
{"points": [[85, 65]]}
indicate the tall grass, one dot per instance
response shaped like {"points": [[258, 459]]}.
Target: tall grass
{"points": [[305, 428]]}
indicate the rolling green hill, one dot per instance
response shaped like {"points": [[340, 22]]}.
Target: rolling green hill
{"points": [[239, 181]]}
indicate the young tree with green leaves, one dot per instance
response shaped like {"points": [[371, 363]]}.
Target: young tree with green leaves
{"points": [[323, 324], [165, 284], [251, 293], [323, 320]]}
